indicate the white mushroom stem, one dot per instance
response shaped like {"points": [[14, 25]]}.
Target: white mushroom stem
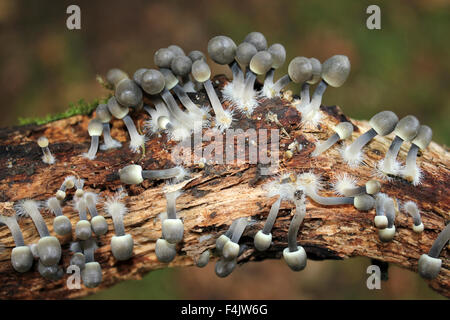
{"points": [[93, 148], [294, 226], [268, 80], [90, 203], [116, 211], [109, 142], [410, 169], [175, 110], [162, 174], [13, 226], [187, 102], [391, 154], [389, 209], [273, 213], [47, 157], [89, 247], [171, 198], [136, 139], [321, 147], [360, 142], [316, 99], [222, 118], [32, 209], [81, 208], [239, 229], [440, 242], [304, 97], [329, 201], [281, 83], [54, 206]]}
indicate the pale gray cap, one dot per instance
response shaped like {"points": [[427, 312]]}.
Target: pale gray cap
{"points": [[316, 71], [170, 79], [195, 55], [62, 225], [245, 52], [201, 71], [423, 138], [131, 174], [373, 187], [102, 113], [296, 260], [429, 267], [344, 130], [257, 39], [21, 258], [363, 202], [53, 272], [407, 128], [300, 69], [128, 93], [221, 241], [137, 76], [78, 259], [262, 241], [83, 230], [91, 274], [203, 260], [222, 49], [49, 250], [117, 110], [335, 70], [122, 247], [153, 81], [384, 122], [181, 65], [95, 127], [230, 250], [173, 230], [177, 51], [163, 58], [165, 251], [224, 268], [386, 234], [114, 76], [278, 53], [99, 225], [381, 222], [261, 62], [42, 142]]}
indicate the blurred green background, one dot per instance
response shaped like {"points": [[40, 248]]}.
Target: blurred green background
{"points": [[404, 67]]}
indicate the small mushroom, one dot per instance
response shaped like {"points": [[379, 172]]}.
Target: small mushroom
{"points": [[61, 224], [388, 233], [172, 227], [103, 114], [380, 220], [48, 247], [300, 70], [98, 222], [278, 53], [53, 272], [78, 259], [224, 268], [133, 174], [83, 229], [165, 251], [129, 94], [224, 238], [114, 76], [21, 256], [383, 123], [230, 250], [121, 244], [47, 157], [203, 259], [68, 183], [412, 172], [430, 264], [412, 209], [79, 192], [91, 274], [343, 131], [95, 129]]}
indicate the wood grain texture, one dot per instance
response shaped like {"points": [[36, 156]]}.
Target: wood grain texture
{"points": [[213, 198]]}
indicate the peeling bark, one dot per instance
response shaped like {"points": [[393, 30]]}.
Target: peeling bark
{"points": [[215, 196]]}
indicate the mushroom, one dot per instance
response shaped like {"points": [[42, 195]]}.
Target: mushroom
{"points": [[121, 243], [383, 123], [343, 131], [128, 94], [121, 112], [257, 39], [412, 172], [21, 256], [114, 76], [224, 238], [91, 274], [335, 71], [405, 130], [304, 92], [230, 250], [172, 227], [299, 71], [79, 192], [346, 186], [380, 220], [68, 183], [47, 157], [165, 251], [83, 227], [430, 264], [201, 73], [295, 256], [203, 259], [412, 209], [78, 258], [133, 174], [388, 233], [98, 222], [95, 129], [61, 224], [103, 114], [53, 272], [224, 268], [48, 247], [176, 50], [278, 53]]}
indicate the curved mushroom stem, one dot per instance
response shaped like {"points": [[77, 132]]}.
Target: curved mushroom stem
{"points": [[239, 229], [223, 118], [321, 147], [270, 221], [187, 102], [389, 160], [47, 157], [304, 97], [136, 140], [316, 99], [297, 219], [268, 80], [171, 198], [163, 173], [89, 247], [93, 148], [410, 169], [90, 204], [109, 142], [32, 209], [330, 201], [440, 242], [13, 226], [81, 207], [389, 208], [281, 83], [357, 145], [117, 216], [175, 110]]}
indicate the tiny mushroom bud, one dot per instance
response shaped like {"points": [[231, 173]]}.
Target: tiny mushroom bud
{"points": [[79, 183], [430, 264], [294, 255], [91, 274], [380, 220], [98, 222], [114, 76], [412, 209], [78, 258], [412, 172], [163, 58], [103, 114], [172, 227], [121, 244], [343, 131], [382, 124], [224, 238], [388, 233], [83, 229], [405, 130], [224, 268], [61, 224], [165, 251], [230, 250], [52, 272], [203, 260], [95, 129], [47, 157], [69, 183], [48, 247], [21, 256], [133, 174]]}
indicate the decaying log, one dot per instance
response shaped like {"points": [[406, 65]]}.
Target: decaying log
{"points": [[213, 198]]}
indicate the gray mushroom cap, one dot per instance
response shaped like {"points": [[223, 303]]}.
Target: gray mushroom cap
{"points": [[95, 127], [122, 247], [49, 250], [363, 202], [131, 174], [296, 260], [173, 230], [224, 268], [262, 241], [344, 130], [177, 51], [245, 52], [102, 113], [165, 251], [153, 81], [62, 225], [195, 55], [300, 69], [117, 110], [230, 250], [335, 70], [221, 241], [373, 187], [78, 259], [261, 62], [83, 230], [429, 267], [201, 71], [407, 128], [114, 76], [169, 78], [181, 65], [384, 122], [99, 225], [137, 76], [386, 234], [423, 138], [257, 39], [222, 49], [128, 93], [21, 258], [203, 260], [316, 71], [163, 58], [278, 53], [53, 272], [91, 274]]}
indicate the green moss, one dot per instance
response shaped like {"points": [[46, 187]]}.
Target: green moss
{"points": [[81, 107]]}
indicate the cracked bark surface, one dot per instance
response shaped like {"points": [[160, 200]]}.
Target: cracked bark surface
{"points": [[214, 197]]}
